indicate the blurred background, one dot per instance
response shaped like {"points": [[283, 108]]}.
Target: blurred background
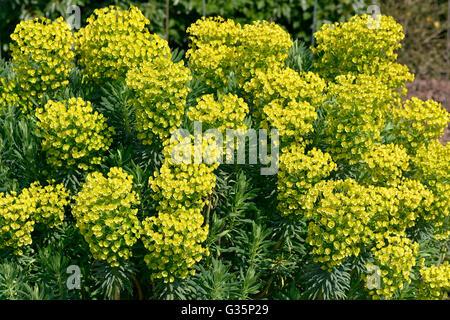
{"points": [[426, 24]]}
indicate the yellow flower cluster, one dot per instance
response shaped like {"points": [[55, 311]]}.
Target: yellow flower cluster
{"points": [[73, 135], [431, 161], [395, 257], [384, 164], [219, 47], [355, 116], [362, 45], [227, 112], [285, 85], [213, 50], [49, 203], [346, 217], [293, 119], [403, 183], [398, 207], [160, 88], [418, 121], [339, 213], [262, 45], [174, 242], [106, 217], [42, 58], [174, 238], [435, 281], [298, 173], [19, 213], [16, 223], [431, 167], [115, 41], [180, 185], [414, 200]]}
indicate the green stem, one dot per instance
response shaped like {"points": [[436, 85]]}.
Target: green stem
{"points": [[208, 211], [116, 286]]}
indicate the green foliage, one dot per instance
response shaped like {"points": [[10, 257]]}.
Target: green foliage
{"points": [[361, 180], [321, 284], [21, 156], [300, 57], [114, 282], [12, 286]]}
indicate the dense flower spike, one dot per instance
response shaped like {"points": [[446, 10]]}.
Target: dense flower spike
{"points": [[435, 281], [213, 49], [227, 112], [284, 85], [174, 238], [431, 167], [395, 259], [417, 121], [42, 56], [399, 207], [431, 161], [362, 45], [355, 116], [299, 172], [182, 185], [105, 214], [50, 201], [294, 120], [16, 221], [34, 205], [339, 213], [174, 242], [220, 47], [262, 45], [161, 89], [115, 41], [384, 164], [74, 135]]}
